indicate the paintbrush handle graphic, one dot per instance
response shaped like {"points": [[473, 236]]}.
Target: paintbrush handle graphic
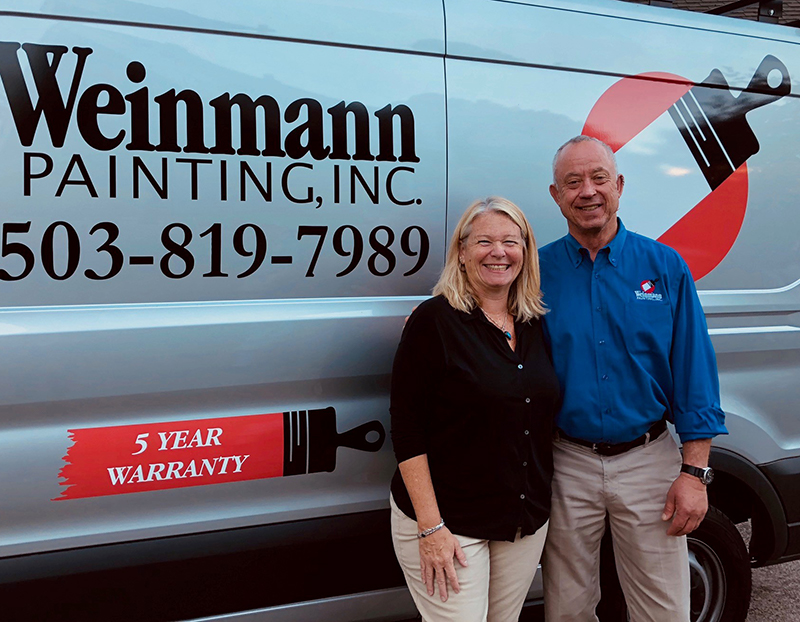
{"points": [[759, 92], [311, 440], [713, 124]]}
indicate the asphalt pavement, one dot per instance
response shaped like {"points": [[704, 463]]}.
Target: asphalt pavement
{"points": [[776, 590], [776, 594]]}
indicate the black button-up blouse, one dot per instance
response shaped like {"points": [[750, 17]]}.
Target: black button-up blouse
{"points": [[483, 415]]}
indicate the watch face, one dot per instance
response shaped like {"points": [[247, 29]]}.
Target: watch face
{"points": [[708, 475]]}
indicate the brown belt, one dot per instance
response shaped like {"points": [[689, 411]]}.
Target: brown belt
{"points": [[609, 449]]}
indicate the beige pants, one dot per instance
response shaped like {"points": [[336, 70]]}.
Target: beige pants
{"points": [[632, 488], [493, 585]]}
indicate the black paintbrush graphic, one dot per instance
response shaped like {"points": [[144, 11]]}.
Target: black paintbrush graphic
{"points": [[713, 124], [310, 440]]}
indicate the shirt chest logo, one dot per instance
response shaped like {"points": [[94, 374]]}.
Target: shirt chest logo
{"points": [[648, 291]]}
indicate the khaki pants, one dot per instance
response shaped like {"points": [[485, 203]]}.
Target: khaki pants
{"points": [[632, 488], [493, 585]]}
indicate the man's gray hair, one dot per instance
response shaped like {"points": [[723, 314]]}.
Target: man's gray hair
{"points": [[583, 139]]}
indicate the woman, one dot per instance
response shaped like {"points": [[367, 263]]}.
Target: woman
{"points": [[473, 398]]}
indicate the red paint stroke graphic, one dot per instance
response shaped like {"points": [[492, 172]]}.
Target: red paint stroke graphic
{"points": [[705, 234], [632, 104], [160, 456]]}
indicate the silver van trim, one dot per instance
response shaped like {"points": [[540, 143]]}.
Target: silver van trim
{"points": [[751, 330], [731, 292], [376, 606]]}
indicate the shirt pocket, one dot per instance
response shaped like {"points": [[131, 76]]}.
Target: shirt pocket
{"points": [[648, 327]]}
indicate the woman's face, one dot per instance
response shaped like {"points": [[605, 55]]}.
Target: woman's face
{"points": [[492, 254]]}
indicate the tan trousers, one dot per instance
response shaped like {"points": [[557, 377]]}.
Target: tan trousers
{"points": [[493, 585], [632, 488]]}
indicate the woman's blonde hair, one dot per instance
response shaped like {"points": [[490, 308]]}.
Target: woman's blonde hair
{"points": [[525, 295]]}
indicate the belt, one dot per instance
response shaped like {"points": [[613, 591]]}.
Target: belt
{"points": [[614, 449]]}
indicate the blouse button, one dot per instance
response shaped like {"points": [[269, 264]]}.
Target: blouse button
{"points": [[524, 464], [527, 432], [522, 496], [519, 366], [527, 400]]}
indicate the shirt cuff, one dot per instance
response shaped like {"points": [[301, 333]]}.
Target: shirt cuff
{"points": [[698, 436], [408, 451], [700, 424]]}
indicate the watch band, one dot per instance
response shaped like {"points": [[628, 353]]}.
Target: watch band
{"points": [[705, 474]]}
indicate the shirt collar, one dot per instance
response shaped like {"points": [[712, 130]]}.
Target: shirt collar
{"points": [[475, 314], [615, 246], [576, 252], [573, 250]]}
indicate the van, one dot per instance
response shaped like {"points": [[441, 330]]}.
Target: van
{"points": [[215, 219]]}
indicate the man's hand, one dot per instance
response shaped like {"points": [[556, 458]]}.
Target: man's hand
{"points": [[687, 504]]}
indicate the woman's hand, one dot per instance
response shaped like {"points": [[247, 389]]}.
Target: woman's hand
{"points": [[437, 550], [436, 554]]}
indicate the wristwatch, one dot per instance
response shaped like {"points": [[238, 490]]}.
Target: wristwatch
{"points": [[705, 475]]}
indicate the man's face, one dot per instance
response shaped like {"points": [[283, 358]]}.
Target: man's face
{"points": [[587, 188]]}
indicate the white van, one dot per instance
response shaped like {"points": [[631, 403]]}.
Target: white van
{"points": [[215, 217]]}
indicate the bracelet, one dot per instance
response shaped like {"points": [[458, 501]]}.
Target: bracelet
{"points": [[427, 532]]}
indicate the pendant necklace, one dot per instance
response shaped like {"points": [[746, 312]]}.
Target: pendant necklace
{"points": [[502, 328]]}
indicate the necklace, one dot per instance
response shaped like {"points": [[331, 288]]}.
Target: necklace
{"points": [[502, 328]]}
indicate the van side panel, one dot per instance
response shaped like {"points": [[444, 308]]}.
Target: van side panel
{"points": [[525, 77], [203, 226], [414, 25]]}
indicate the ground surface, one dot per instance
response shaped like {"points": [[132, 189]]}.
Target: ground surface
{"points": [[776, 594]]}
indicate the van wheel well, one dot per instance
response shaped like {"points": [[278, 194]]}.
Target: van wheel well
{"points": [[740, 503]]}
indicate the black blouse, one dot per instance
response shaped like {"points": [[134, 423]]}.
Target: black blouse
{"points": [[483, 414]]}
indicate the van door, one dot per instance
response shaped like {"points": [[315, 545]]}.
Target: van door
{"points": [[525, 77], [701, 112], [213, 225]]}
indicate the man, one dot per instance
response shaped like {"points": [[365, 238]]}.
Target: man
{"points": [[631, 350]]}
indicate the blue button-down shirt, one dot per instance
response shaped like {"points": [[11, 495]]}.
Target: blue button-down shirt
{"points": [[629, 341]]}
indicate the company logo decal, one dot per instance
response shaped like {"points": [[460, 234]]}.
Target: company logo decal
{"points": [[648, 286], [267, 128], [159, 456], [648, 290], [709, 125], [87, 127]]}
